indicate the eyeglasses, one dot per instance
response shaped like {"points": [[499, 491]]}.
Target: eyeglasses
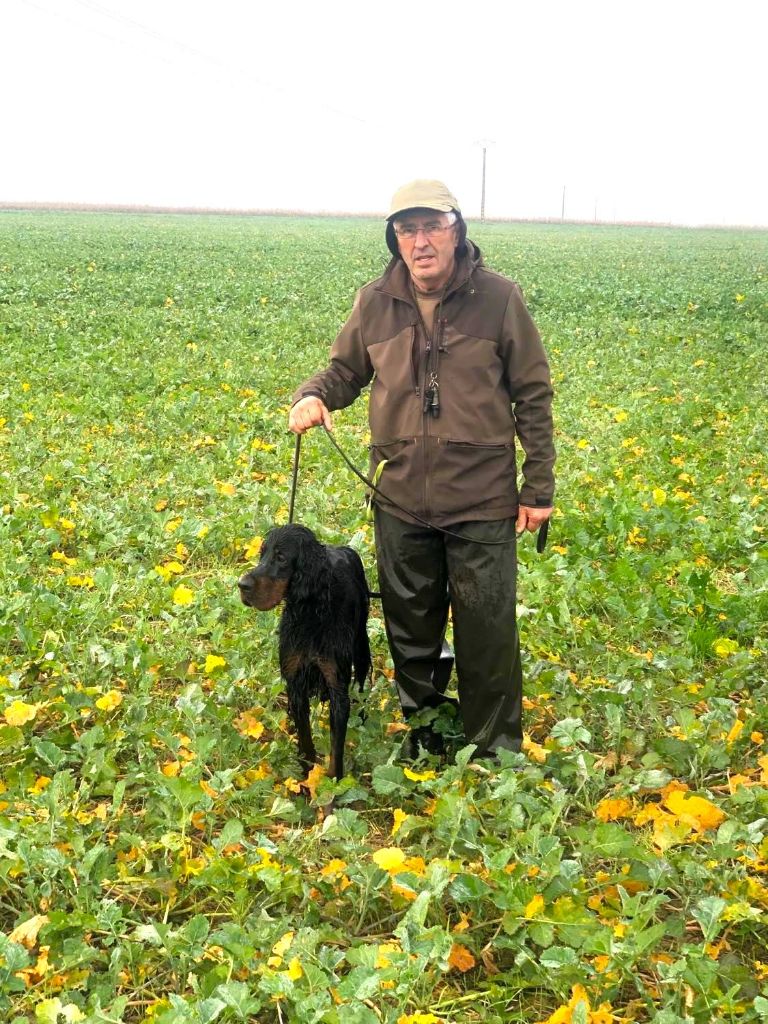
{"points": [[431, 229]]}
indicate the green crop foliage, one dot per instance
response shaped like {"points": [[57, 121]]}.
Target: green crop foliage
{"points": [[159, 859]]}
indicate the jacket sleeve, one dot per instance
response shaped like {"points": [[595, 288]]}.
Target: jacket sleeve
{"points": [[530, 389], [349, 371]]}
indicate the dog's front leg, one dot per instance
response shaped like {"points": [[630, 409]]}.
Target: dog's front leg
{"points": [[339, 719], [298, 708]]}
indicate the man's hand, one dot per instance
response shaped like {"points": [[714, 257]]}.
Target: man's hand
{"points": [[309, 412], [529, 518]]}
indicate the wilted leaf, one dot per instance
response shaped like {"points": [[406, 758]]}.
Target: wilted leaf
{"points": [[26, 932], [460, 958]]}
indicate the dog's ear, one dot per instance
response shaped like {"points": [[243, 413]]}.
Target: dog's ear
{"points": [[311, 577]]}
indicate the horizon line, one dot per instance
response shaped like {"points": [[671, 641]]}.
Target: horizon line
{"points": [[143, 208]]}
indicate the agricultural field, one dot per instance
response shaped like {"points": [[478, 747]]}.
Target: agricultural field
{"points": [[160, 860]]}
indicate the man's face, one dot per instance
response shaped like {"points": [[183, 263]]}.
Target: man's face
{"points": [[427, 243]]}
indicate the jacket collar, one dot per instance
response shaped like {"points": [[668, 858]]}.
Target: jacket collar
{"points": [[396, 281]]}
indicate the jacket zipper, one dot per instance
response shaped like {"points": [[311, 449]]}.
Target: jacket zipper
{"points": [[415, 361], [431, 402]]}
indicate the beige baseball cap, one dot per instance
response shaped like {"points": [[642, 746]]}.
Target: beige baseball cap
{"points": [[423, 194]]}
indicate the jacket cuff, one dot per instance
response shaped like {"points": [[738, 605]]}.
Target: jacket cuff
{"points": [[535, 500], [311, 393]]}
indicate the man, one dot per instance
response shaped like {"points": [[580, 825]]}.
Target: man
{"points": [[458, 372]]}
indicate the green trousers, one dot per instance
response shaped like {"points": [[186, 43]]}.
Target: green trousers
{"points": [[421, 574]]}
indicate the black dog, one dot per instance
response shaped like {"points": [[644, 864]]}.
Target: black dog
{"points": [[322, 628]]}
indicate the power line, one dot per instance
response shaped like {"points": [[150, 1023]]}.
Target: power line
{"points": [[226, 66]]}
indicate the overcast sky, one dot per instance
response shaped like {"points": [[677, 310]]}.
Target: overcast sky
{"points": [[641, 110]]}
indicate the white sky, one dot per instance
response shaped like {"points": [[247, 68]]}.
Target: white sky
{"points": [[646, 109]]}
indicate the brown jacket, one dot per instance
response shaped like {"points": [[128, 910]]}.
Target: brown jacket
{"points": [[493, 384]]}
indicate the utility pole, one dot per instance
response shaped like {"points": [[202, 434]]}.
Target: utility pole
{"points": [[482, 193], [484, 143]]}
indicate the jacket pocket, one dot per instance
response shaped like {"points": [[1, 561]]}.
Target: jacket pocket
{"points": [[473, 476], [398, 475], [500, 445]]}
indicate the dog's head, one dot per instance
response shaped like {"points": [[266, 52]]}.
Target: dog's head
{"points": [[287, 554]]}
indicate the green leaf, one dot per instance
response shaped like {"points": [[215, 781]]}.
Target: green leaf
{"points": [[388, 780], [467, 888], [541, 933], [608, 840], [11, 737], [237, 997], [571, 732], [186, 793], [230, 834], [556, 957], [708, 912]]}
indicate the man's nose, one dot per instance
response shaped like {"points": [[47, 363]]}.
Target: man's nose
{"points": [[421, 238]]}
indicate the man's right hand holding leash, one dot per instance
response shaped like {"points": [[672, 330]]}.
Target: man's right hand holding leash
{"points": [[307, 413]]}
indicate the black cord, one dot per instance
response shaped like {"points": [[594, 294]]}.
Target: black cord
{"points": [[541, 539]]}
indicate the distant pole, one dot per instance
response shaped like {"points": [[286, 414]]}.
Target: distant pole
{"points": [[484, 144], [562, 208], [482, 193]]}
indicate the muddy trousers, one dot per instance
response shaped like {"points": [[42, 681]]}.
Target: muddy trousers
{"points": [[422, 573]]}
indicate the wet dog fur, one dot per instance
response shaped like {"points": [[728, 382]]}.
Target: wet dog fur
{"points": [[322, 636]]}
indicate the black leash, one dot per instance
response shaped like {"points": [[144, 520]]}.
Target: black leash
{"points": [[296, 453], [541, 538]]}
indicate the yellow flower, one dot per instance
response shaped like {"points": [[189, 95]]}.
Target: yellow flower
{"points": [[724, 647], [213, 662], [294, 971], [110, 701], [81, 581], [535, 907], [252, 549], [696, 811], [59, 556], [333, 868], [19, 712], [248, 725], [418, 776], [534, 750], [390, 858], [399, 817], [383, 953], [735, 731], [613, 809], [183, 595], [659, 496], [283, 944], [578, 1008], [225, 488]]}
